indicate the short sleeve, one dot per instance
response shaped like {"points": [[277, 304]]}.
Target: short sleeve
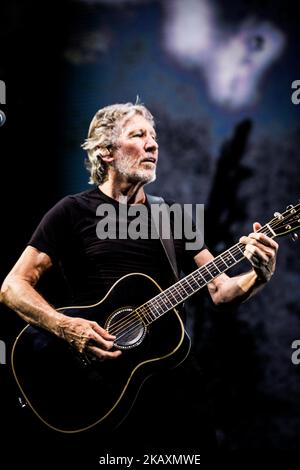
{"points": [[187, 221], [53, 233], [193, 229]]}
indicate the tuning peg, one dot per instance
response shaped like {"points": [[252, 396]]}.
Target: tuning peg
{"points": [[278, 215], [291, 208], [294, 237]]}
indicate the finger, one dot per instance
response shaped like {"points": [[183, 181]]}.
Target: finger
{"points": [[252, 250], [101, 331], [270, 252], [99, 340], [100, 354], [252, 256], [256, 226], [255, 262], [262, 238]]}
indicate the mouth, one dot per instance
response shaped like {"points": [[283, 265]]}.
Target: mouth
{"points": [[149, 160]]}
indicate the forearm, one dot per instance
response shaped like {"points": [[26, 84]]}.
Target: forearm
{"points": [[22, 297], [82, 334], [237, 289]]}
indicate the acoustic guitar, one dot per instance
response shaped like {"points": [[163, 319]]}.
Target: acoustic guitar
{"points": [[71, 393]]}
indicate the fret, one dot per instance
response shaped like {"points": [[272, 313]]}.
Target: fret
{"points": [[177, 295], [228, 258], [164, 297], [187, 286], [178, 291], [233, 253], [152, 304], [161, 301], [202, 280], [213, 269], [193, 283], [183, 287], [174, 297], [240, 248], [203, 273], [220, 264]]}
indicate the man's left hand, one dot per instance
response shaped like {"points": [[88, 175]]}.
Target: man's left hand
{"points": [[261, 251]]}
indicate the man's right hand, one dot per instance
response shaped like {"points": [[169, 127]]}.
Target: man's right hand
{"points": [[88, 337]]}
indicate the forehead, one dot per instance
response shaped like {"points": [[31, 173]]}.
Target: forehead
{"points": [[136, 121]]}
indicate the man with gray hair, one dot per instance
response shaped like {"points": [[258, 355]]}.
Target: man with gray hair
{"points": [[122, 153]]}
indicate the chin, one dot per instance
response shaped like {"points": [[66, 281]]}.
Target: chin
{"points": [[150, 180], [143, 177]]}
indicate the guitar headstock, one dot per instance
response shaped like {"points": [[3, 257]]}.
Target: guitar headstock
{"points": [[286, 222]]}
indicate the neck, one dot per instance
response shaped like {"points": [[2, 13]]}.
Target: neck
{"points": [[124, 191]]}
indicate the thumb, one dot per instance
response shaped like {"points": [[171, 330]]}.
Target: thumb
{"points": [[256, 226]]}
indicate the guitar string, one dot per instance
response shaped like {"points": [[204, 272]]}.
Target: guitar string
{"points": [[233, 250], [145, 310], [135, 325], [135, 322], [135, 317], [138, 311]]}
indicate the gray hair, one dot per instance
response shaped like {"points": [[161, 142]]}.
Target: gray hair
{"points": [[103, 135]]}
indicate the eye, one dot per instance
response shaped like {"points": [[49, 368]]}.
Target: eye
{"points": [[138, 134]]}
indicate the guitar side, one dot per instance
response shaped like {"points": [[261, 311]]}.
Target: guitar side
{"points": [[71, 395]]}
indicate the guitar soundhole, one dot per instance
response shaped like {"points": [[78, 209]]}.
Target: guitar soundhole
{"points": [[127, 327]]}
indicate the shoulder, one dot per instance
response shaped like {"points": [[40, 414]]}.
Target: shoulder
{"points": [[87, 195], [72, 201]]}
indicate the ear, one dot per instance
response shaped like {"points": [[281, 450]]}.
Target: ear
{"points": [[105, 154], [256, 226]]}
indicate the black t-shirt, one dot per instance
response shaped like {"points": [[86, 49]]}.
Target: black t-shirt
{"points": [[68, 234]]}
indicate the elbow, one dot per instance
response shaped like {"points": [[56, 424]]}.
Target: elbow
{"points": [[7, 289], [4, 291]]}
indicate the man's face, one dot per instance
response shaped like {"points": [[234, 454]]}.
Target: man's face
{"points": [[136, 154]]}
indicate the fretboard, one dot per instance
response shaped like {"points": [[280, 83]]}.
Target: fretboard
{"points": [[192, 283]]}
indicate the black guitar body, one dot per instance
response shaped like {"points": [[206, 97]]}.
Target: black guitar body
{"points": [[70, 393]]}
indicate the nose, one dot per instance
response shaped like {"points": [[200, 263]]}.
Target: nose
{"points": [[151, 145]]}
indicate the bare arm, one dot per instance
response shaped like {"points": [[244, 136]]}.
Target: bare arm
{"points": [[261, 252], [18, 292]]}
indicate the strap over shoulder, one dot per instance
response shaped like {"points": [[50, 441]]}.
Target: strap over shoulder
{"points": [[167, 243]]}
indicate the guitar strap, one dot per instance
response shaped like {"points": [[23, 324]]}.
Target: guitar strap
{"points": [[167, 243]]}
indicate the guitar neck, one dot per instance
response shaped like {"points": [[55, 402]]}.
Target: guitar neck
{"points": [[192, 283]]}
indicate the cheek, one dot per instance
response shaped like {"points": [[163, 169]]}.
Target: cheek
{"points": [[132, 151]]}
